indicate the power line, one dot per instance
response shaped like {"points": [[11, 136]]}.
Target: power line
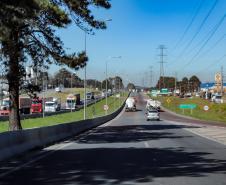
{"points": [[206, 42], [199, 28], [218, 61], [190, 24], [214, 45]]}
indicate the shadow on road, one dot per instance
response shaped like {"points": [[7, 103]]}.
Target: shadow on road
{"points": [[131, 133], [114, 166]]}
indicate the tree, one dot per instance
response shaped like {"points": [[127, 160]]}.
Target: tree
{"points": [[27, 32], [92, 83], [109, 84], [63, 77], [169, 82], [130, 86], [195, 83], [117, 82]]}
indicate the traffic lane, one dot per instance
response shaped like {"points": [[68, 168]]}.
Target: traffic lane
{"points": [[141, 159], [129, 151]]}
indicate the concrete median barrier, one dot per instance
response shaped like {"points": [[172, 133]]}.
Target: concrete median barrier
{"points": [[17, 142]]}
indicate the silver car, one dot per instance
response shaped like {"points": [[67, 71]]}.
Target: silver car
{"points": [[152, 115]]}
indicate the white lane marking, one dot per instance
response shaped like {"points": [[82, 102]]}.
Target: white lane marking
{"points": [[196, 133], [117, 117], [206, 137], [49, 152], [34, 160], [146, 144]]}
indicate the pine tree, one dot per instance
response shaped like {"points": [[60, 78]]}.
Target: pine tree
{"points": [[27, 32]]}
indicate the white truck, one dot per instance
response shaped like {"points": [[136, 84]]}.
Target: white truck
{"points": [[130, 104], [53, 105], [72, 101], [153, 104]]}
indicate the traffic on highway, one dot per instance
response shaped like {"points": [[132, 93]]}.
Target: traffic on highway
{"points": [[102, 92], [127, 150]]}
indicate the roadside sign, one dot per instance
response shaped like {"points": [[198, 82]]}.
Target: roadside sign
{"points": [[117, 95], [168, 100], [187, 106], [206, 108], [218, 77], [154, 93], [106, 107]]}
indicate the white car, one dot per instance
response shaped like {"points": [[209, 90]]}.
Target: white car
{"points": [[153, 114], [218, 99], [58, 89]]}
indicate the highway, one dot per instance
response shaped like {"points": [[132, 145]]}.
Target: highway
{"points": [[127, 150]]}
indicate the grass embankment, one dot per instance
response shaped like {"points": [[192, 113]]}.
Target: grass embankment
{"points": [[95, 110], [216, 112]]}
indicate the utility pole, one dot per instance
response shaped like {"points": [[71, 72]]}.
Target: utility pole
{"points": [[143, 82], [222, 80], [151, 75], [175, 85], [146, 79], [84, 105], [161, 55]]}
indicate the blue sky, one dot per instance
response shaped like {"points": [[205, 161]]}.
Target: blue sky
{"points": [[138, 27]]}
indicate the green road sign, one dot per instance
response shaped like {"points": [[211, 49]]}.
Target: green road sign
{"points": [[154, 93], [164, 91], [187, 106]]}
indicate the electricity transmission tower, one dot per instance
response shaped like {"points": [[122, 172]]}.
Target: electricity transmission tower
{"points": [[161, 48]]}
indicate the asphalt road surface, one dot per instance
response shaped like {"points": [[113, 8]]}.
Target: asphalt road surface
{"points": [[128, 150]]}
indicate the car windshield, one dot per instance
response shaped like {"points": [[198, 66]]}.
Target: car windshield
{"points": [[152, 111], [70, 101], [49, 104], [6, 103]]}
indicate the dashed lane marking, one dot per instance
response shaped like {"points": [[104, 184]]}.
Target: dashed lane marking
{"points": [[146, 144]]}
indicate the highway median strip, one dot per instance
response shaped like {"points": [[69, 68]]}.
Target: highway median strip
{"points": [[94, 110]]}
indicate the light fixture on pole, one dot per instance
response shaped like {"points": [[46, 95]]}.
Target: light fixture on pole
{"points": [[106, 70], [84, 112]]}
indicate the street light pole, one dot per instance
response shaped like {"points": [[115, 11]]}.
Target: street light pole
{"points": [[106, 96], [106, 70], [84, 113]]}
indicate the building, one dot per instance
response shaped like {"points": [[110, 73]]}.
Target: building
{"points": [[211, 86]]}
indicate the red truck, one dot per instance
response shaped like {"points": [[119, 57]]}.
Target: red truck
{"points": [[24, 106], [37, 104]]}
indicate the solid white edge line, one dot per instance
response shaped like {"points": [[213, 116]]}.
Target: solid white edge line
{"points": [[146, 144], [34, 160], [212, 139], [117, 117]]}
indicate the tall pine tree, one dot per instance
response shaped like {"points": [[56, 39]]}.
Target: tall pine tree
{"points": [[27, 31]]}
